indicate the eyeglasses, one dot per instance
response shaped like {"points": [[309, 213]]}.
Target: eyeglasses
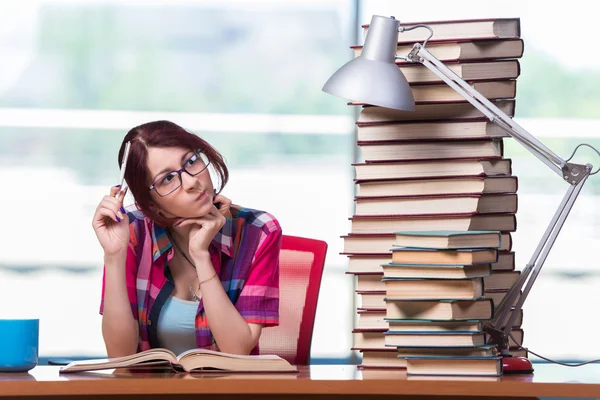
{"points": [[167, 184]]}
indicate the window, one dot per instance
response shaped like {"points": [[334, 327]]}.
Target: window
{"points": [[246, 76]]}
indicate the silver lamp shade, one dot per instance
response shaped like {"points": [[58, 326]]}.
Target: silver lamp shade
{"points": [[373, 77]]}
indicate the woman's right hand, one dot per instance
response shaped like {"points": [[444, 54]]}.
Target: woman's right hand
{"points": [[111, 224]]}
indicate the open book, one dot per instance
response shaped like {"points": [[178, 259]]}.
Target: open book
{"points": [[195, 360]]}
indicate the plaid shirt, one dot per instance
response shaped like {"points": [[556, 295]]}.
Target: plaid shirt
{"points": [[245, 255]]}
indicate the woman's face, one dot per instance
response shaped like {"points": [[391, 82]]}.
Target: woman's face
{"points": [[194, 198]]}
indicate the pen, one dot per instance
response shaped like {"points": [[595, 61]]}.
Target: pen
{"points": [[123, 166]]}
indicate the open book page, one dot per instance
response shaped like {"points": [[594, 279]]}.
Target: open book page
{"points": [[201, 360], [149, 357], [227, 355]]}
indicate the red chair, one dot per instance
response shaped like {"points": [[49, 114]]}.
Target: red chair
{"points": [[301, 263]]}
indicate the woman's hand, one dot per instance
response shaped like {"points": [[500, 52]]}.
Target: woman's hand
{"points": [[202, 231], [111, 224], [223, 204]]}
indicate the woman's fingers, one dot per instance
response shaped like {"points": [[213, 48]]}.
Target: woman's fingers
{"points": [[213, 212], [217, 212], [224, 204], [113, 203], [104, 212], [213, 218], [121, 195], [114, 190], [218, 215], [118, 200], [191, 221], [206, 221], [110, 200]]}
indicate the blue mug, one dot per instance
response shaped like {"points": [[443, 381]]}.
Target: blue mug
{"points": [[19, 343]]}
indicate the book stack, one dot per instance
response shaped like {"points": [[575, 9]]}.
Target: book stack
{"points": [[438, 168], [435, 299]]}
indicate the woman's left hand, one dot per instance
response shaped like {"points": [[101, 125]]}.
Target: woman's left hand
{"points": [[224, 204], [204, 229]]}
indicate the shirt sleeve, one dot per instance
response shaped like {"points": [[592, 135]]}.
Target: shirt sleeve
{"points": [[130, 277], [259, 299]]}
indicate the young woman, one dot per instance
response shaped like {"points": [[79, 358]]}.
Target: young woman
{"points": [[184, 268]]}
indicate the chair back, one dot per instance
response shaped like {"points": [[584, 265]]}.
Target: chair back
{"points": [[301, 262]]}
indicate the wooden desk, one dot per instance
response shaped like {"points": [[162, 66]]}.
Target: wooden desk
{"points": [[314, 382]]}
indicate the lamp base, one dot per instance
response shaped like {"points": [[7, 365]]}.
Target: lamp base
{"points": [[516, 365]]}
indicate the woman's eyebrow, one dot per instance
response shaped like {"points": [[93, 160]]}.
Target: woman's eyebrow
{"points": [[183, 158]]}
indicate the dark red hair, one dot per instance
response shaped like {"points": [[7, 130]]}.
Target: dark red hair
{"points": [[162, 134]]}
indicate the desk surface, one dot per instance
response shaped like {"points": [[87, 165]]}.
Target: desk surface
{"points": [[547, 381]]}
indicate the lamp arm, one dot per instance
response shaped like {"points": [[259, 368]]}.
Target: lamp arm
{"points": [[489, 109], [500, 326]]}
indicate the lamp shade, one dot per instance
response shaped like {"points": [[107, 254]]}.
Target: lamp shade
{"points": [[373, 77]]}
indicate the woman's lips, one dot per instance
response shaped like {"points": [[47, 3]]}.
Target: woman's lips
{"points": [[202, 196]]}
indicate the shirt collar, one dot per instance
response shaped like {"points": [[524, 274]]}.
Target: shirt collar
{"points": [[223, 240]]}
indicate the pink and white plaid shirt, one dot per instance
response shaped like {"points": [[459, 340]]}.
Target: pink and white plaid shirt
{"points": [[245, 255]]}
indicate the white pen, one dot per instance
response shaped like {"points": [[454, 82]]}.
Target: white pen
{"points": [[123, 166]]}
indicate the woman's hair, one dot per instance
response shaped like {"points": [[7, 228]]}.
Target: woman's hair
{"points": [[163, 134]]}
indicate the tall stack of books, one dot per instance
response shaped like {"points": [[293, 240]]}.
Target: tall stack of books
{"points": [[438, 168]]}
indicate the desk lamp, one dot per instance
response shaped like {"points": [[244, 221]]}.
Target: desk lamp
{"points": [[375, 79]]}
